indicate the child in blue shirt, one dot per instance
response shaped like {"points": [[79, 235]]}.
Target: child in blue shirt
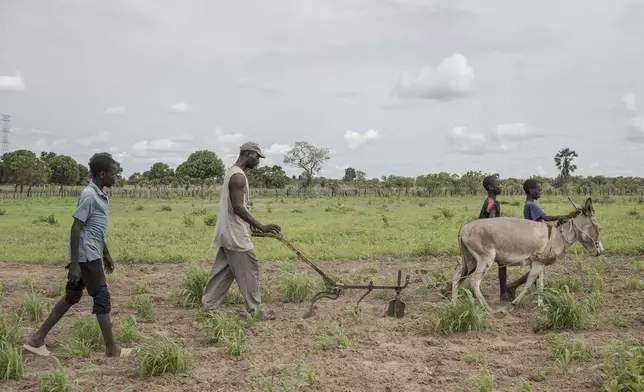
{"points": [[533, 212]]}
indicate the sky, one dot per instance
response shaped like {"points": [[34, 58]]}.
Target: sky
{"points": [[402, 87]]}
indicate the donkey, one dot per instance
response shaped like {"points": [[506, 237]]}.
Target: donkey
{"points": [[515, 241]]}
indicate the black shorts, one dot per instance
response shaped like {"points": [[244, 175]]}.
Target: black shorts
{"points": [[93, 279]]}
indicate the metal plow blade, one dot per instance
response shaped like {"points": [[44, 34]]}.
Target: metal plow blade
{"points": [[396, 307]]}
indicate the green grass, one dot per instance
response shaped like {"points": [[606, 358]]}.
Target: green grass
{"points": [[464, 315], [57, 381], [31, 308], [193, 285], [561, 310], [143, 305], [87, 338], [297, 288], [333, 335], [623, 367], [566, 351], [163, 356], [11, 366], [326, 228]]}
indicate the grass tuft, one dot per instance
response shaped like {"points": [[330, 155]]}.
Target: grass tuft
{"points": [[222, 329], [87, 339], [127, 331], [561, 310], [11, 367], [624, 368], [31, 308], [143, 305], [57, 381], [566, 351], [464, 315], [297, 288], [333, 335], [193, 285], [163, 356]]}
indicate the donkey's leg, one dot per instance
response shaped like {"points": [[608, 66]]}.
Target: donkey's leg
{"points": [[459, 276], [540, 284], [535, 270], [477, 277]]}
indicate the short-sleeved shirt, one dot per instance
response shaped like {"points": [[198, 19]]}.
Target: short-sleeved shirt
{"points": [[532, 211], [92, 211], [488, 205]]}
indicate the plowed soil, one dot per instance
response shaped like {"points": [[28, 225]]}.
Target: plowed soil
{"points": [[385, 354]]}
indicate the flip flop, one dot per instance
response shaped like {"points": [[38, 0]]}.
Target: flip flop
{"points": [[40, 351], [125, 352]]}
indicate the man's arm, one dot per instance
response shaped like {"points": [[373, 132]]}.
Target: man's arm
{"points": [[236, 189]]}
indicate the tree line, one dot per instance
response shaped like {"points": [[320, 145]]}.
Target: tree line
{"points": [[203, 168]]}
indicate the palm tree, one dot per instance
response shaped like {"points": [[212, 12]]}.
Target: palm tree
{"points": [[563, 161]]}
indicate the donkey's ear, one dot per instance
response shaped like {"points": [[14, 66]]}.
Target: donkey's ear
{"points": [[588, 207], [577, 206]]}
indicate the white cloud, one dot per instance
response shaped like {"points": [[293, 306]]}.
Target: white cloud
{"points": [[453, 78], [541, 171], [227, 138], [101, 137], [277, 149], [179, 108], [12, 83], [504, 137], [160, 145], [594, 165], [630, 102], [115, 110], [514, 132], [355, 140], [59, 142]]}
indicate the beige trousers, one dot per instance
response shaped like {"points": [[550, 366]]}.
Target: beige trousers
{"points": [[229, 265]]}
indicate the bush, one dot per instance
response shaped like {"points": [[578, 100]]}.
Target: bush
{"points": [[210, 219]]}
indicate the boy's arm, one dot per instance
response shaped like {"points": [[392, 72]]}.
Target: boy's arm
{"points": [[107, 259], [81, 214], [553, 218]]}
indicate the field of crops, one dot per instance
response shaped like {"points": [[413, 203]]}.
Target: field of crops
{"points": [[588, 337]]}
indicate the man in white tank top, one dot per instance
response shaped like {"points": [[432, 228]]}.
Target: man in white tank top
{"points": [[236, 254]]}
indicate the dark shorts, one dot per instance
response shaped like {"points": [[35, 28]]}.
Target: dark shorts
{"points": [[93, 279]]}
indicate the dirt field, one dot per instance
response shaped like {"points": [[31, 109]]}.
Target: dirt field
{"points": [[385, 354]]}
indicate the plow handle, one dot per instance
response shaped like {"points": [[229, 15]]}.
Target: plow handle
{"points": [[299, 253]]}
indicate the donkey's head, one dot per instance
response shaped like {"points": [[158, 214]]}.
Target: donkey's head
{"points": [[587, 227]]}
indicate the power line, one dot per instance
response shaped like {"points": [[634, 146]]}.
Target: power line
{"points": [[6, 126]]}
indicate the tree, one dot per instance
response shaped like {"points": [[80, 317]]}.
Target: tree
{"points": [[46, 156], [349, 174], [360, 175], [83, 174], [270, 177], [201, 165], [308, 158], [563, 161], [64, 170], [22, 167], [159, 174]]}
